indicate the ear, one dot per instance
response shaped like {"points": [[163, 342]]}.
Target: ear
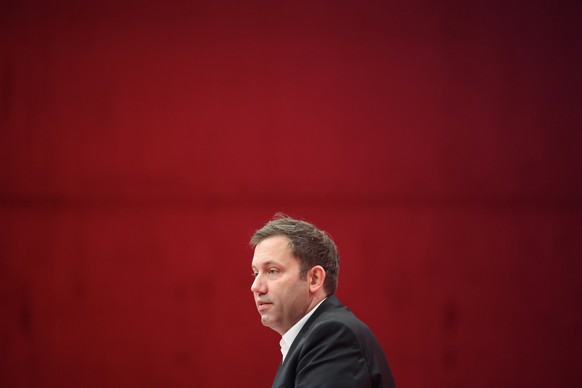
{"points": [[316, 278]]}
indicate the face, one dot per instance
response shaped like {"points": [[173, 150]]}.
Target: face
{"points": [[282, 298]]}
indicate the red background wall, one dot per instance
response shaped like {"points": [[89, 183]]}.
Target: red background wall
{"points": [[142, 144]]}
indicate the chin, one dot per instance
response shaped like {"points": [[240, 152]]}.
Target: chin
{"points": [[269, 324]]}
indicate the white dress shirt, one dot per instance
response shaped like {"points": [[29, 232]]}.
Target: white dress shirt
{"points": [[289, 336]]}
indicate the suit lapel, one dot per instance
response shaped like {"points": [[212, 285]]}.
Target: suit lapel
{"points": [[330, 303]]}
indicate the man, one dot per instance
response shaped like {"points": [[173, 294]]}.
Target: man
{"points": [[295, 267]]}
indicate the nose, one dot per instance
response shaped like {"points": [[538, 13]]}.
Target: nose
{"points": [[258, 285]]}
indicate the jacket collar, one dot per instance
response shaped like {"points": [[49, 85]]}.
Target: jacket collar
{"points": [[332, 302]]}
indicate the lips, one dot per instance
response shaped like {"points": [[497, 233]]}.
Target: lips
{"points": [[261, 306]]}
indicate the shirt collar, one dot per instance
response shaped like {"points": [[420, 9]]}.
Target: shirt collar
{"points": [[288, 338]]}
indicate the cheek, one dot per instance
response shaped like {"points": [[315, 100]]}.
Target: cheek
{"points": [[283, 295], [296, 295]]}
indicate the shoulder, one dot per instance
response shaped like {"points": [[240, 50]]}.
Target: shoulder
{"points": [[336, 349], [335, 314], [338, 324]]}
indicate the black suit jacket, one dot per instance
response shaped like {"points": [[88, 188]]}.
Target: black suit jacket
{"points": [[334, 349]]}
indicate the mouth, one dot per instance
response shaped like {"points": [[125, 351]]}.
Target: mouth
{"points": [[262, 306]]}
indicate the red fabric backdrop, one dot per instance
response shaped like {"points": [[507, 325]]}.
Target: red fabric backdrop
{"points": [[141, 145]]}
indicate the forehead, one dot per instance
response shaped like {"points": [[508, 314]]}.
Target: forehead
{"points": [[274, 249]]}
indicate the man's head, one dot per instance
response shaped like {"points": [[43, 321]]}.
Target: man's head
{"points": [[309, 245], [295, 266]]}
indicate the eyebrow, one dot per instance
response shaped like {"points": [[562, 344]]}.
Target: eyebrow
{"points": [[269, 262]]}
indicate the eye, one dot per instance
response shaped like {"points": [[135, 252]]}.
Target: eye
{"points": [[273, 271], [254, 274]]}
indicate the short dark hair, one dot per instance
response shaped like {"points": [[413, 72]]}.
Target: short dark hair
{"points": [[310, 245]]}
